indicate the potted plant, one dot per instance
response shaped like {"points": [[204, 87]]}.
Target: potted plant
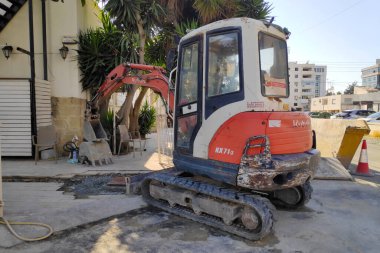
{"points": [[147, 119]]}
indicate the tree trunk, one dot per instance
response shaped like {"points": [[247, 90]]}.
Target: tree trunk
{"points": [[134, 115], [142, 36], [103, 106], [173, 10], [127, 106]]}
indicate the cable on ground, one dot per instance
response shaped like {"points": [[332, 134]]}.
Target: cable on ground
{"points": [[10, 223]]}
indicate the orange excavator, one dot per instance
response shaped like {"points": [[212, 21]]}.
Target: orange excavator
{"points": [[238, 149]]}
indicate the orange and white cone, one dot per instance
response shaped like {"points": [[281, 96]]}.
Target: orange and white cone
{"points": [[363, 168]]}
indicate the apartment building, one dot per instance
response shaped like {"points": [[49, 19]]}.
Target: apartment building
{"points": [[333, 104], [338, 103], [371, 76], [307, 81]]}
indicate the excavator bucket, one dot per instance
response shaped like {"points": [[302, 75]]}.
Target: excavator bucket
{"points": [[95, 147], [98, 129]]}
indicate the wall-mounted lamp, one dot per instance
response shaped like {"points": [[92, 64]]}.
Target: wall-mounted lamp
{"points": [[63, 51], [7, 50]]}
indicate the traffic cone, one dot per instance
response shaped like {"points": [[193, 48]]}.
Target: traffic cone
{"points": [[363, 169]]}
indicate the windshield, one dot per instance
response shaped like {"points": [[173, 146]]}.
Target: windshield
{"points": [[374, 115], [343, 114], [274, 66]]}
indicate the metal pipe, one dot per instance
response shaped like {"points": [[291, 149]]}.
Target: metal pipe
{"points": [[23, 50], [44, 46], [32, 70]]}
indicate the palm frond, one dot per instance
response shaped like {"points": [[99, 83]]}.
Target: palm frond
{"points": [[257, 9], [185, 27], [209, 10]]}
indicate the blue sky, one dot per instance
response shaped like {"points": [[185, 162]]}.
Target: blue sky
{"points": [[344, 35]]}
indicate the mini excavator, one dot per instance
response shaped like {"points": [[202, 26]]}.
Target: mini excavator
{"points": [[238, 149]]}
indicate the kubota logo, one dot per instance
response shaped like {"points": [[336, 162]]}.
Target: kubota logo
{"points": [[301, 123]]}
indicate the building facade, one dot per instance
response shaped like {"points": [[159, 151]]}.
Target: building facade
{"points": [[306, 81], [338, 103], [333, 104], [371, 76], [37, 85]]}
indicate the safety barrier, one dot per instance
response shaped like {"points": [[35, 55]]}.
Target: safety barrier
{"points": [[339, 137], [375, 129]]}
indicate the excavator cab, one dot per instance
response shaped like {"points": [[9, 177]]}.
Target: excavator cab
{"points": [[232, 78]]}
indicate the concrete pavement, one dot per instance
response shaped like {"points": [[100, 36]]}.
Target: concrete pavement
{"points": [[342, 216], [125, 164], [42, 202], [47, 203]]}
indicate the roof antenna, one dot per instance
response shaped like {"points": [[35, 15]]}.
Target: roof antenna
{"points": [[270, 22]]}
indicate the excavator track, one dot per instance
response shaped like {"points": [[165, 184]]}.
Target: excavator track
{"points": [[255, 219]]}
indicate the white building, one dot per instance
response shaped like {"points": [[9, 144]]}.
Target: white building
{"points": [[338, 103], [307, 81], [371, 76], [333, 104], [38, 87]]}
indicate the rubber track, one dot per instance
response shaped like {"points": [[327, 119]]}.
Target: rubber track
{"points": [[261, 205], [307, 191]]}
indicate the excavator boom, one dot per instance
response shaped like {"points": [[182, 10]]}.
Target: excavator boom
{"points": [[95, 149], [151, 76]]}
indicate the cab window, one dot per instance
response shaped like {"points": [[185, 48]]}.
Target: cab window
{"points": [[188, 87], [223, 64], [273, 66]]}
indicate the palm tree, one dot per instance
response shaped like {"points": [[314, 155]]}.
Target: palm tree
{"points": [[189, 14], [100, 50], [141, 17], [213, 10]]}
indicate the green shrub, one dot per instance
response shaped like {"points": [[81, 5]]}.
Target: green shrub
{"points": [[324, 115], [147, 119]]}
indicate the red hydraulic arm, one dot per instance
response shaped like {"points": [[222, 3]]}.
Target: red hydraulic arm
{"points": [[153, 78]]}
